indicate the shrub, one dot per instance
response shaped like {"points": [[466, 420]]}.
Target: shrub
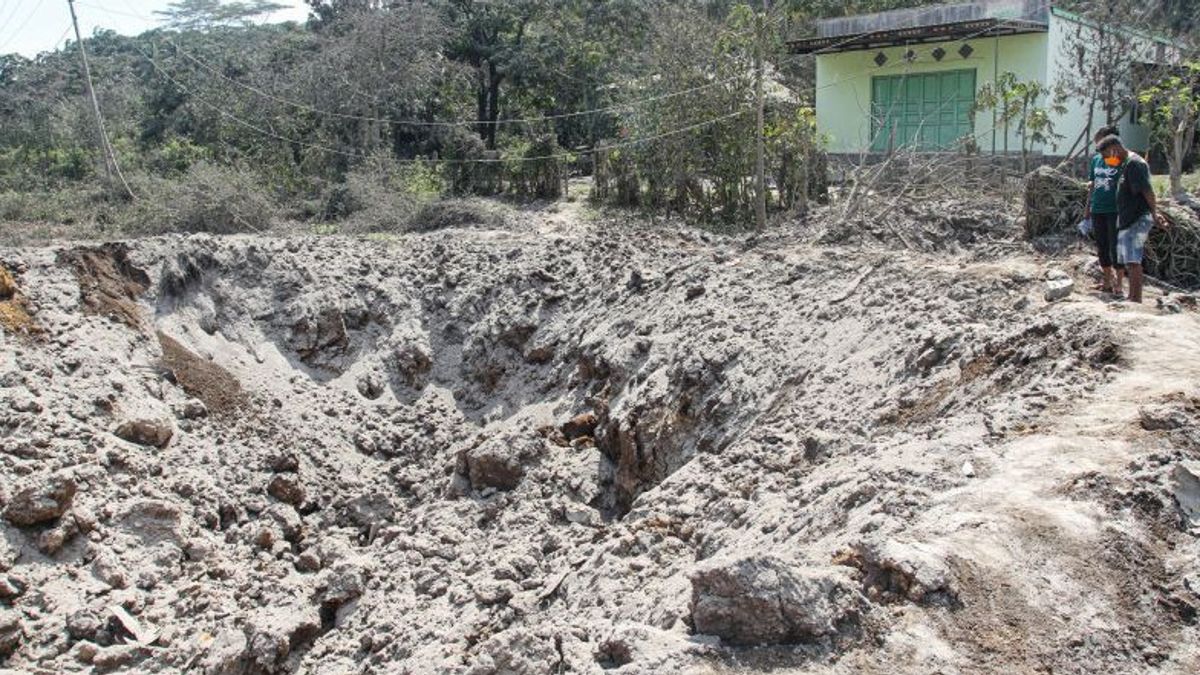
{"points": [[208, 198], [383, 194]]}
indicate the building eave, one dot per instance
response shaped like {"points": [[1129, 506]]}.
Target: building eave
{"points": [[978, 28]]}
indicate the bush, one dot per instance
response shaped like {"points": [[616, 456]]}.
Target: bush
{"points": [[383, 194], [208, 198], [457, 213]]}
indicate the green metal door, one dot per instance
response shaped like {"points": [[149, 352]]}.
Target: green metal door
{"points": [[930, 111]]}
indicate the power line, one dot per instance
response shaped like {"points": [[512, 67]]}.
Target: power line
{"points": [[24, 23], [460, 123], [8, 21], [110, 157], [422, 123], [356, 155]]}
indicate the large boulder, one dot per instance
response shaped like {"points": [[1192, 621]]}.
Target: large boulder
{"points": [[752, 600], [44, 500]]}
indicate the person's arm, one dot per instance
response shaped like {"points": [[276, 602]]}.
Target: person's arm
{"points": [[1151, 198]]}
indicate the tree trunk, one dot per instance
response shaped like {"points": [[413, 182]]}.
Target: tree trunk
{"points": [[1175, 161], [481, 105], [493, 104]]}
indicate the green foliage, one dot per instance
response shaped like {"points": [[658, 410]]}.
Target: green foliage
{"points": [[1172, 105], [1020, 102], [202, 14], [333, 115], [383, 194], [207, 198]]}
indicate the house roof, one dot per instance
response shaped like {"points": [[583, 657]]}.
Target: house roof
{"points": [[926, 24]]}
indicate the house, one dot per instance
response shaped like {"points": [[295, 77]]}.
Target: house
{"points": [[911, 77]]}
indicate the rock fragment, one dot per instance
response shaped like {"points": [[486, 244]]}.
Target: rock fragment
{"points": [[276, 632], [1057, 289], [150, 432], [752, 600], [287, 488], [1162, 417], [44, 501], [11, 632], [1185, 485]]}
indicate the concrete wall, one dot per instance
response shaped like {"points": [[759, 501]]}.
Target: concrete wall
{"points": [[1062, 27], [843, 95]]}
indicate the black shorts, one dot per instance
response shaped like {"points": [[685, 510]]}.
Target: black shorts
{"points": [[1104, 229]]}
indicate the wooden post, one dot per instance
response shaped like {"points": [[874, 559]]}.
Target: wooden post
{"points": [[106, 148], [760, 199], [87, 83]]}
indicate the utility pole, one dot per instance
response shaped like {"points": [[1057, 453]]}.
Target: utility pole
{"points": [[110, 158], [760, 198]]}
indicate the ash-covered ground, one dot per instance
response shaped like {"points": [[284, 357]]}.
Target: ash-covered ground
{"points": [[575, 446]]}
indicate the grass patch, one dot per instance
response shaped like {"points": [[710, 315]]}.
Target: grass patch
{"points": [[1162, 184]]}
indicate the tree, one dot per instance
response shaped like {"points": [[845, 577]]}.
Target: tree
{"points": [[205, 14], [1173, 106], [1098, 50], [1020, 102], [489, 36]]}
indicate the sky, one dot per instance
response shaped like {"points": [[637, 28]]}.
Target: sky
{"points": [[28, 27]]}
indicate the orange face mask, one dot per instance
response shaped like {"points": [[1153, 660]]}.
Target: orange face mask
{"points": [[1112, 161]]}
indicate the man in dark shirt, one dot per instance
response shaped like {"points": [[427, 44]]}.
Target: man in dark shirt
{"points": [[1137, 211]]}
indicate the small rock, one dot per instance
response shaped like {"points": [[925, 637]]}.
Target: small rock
{"points": [[227, 653], [579, 426], [84, 624], [695, 292], [275, 632], [11, 632], [47, 499], [287, 488], [192, 409], [1185, 485], [968, 469], [754, 600], [11, 588], [1162, 417], [1057, 289], [85, 652], [341, 583], [115, 656], [149, 432], [285, 463], [494, 463]]}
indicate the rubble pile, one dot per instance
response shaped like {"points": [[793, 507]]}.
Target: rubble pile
{"points": [[577, 449]]}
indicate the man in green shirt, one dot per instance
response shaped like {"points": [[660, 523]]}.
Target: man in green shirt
{"points": [[1137, 210], [1101, 207]]}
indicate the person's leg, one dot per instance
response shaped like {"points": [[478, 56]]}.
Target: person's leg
{"points": [[1104, 227], [1135, 281], [1130, 246]]}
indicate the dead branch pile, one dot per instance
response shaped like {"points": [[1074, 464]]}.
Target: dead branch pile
{"points": [[1173, 253], [903, 221], [1054, 202]]}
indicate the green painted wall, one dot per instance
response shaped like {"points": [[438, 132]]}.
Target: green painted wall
{"points": [[843, 94], [844, 86]]}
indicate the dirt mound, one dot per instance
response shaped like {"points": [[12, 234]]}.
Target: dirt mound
{"points": [[109, 285], [14, 314], [213, 385]]}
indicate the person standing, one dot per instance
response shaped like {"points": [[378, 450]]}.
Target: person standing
{"points": [[1137, 210], [1101, 208]]}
